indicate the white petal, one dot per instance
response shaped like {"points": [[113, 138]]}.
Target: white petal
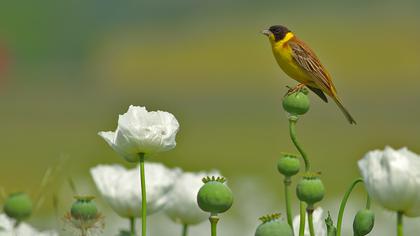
{"points": [[318, 220], [108, 136], [121, 187], [392, 178], [7, 224], [140, 131]]}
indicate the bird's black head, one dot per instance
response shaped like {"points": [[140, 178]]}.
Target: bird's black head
{"points": [[279, 31]]}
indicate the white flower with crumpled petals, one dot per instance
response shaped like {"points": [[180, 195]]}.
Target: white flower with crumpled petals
{"points": [[182, 206], [119, 187], [392, 178], [7, 228], [319, 224], [140, 131]]}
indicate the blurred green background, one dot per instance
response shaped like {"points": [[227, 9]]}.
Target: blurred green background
{"points": [[68, 68]]}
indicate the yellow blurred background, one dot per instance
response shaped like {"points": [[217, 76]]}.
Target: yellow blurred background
{"points": [[70, 67]]}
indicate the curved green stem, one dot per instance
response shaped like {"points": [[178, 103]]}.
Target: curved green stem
{"points": [[311, 222], [132, 226], [343, 204], [368, 202], [292, 129], [143, 196], [302, 219], [184, 230], [213, 221], [400, 224], [287, 182]]}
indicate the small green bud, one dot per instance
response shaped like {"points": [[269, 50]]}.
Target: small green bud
{"points": [[296, 103], [18, 206], [310, 189], [214, 196], [271, 226], [363, 222], [331, 229], [288, 165], [84, 208]]}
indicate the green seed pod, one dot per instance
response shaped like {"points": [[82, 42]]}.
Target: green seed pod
{"points": [[271, 226], [18, 206], [214, 196], [84, 208], [363, 222], [310, 189], [296, 103], [288, 165]]}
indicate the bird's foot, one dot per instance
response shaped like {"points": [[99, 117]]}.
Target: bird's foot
{"points": [[295, 89]]}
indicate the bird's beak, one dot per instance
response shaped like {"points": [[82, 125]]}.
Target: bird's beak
{"points": [[265, 32]]}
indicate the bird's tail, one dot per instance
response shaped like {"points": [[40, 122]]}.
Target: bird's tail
{"points": [[344, 110]]}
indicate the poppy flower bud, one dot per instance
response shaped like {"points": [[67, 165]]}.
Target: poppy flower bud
{"points": [[331, 229], [363, 222], [296, 103], [310, 189], [214, 196], [18, 206], [288, 165], [271, 226], [84, 208]]}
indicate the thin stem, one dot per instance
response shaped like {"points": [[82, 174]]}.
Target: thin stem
{"points": [[400, 224], [302, 219], [143, 196], [287, 182], [368, 202], [213, 221], [133, 226], [343, 204], [185, 230], [292, 129], [311, 221]]}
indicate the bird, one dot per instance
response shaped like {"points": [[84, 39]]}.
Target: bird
{"points": [[299, 62]]}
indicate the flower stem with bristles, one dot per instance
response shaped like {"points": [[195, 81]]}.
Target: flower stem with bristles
{"points": [[287, 181], [213, 222], [368, 202], [132, 226], [185, 230], [143, 196], [292, 129], [302, 219], [400, 231], [343, 205], [311, 221]]}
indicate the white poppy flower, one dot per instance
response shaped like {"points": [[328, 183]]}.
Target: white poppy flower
{"points": [[7, 228], [140, 131], [319, 223], [182, 206], [120, 187], [392, 178]]}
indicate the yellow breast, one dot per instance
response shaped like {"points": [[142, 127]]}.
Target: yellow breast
{"points": [[283, 54]]}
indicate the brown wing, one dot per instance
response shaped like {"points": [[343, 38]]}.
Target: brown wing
{"points": [[308, 61]]}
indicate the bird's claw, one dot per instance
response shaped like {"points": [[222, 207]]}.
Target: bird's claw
{"points": [[295, 89]]}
